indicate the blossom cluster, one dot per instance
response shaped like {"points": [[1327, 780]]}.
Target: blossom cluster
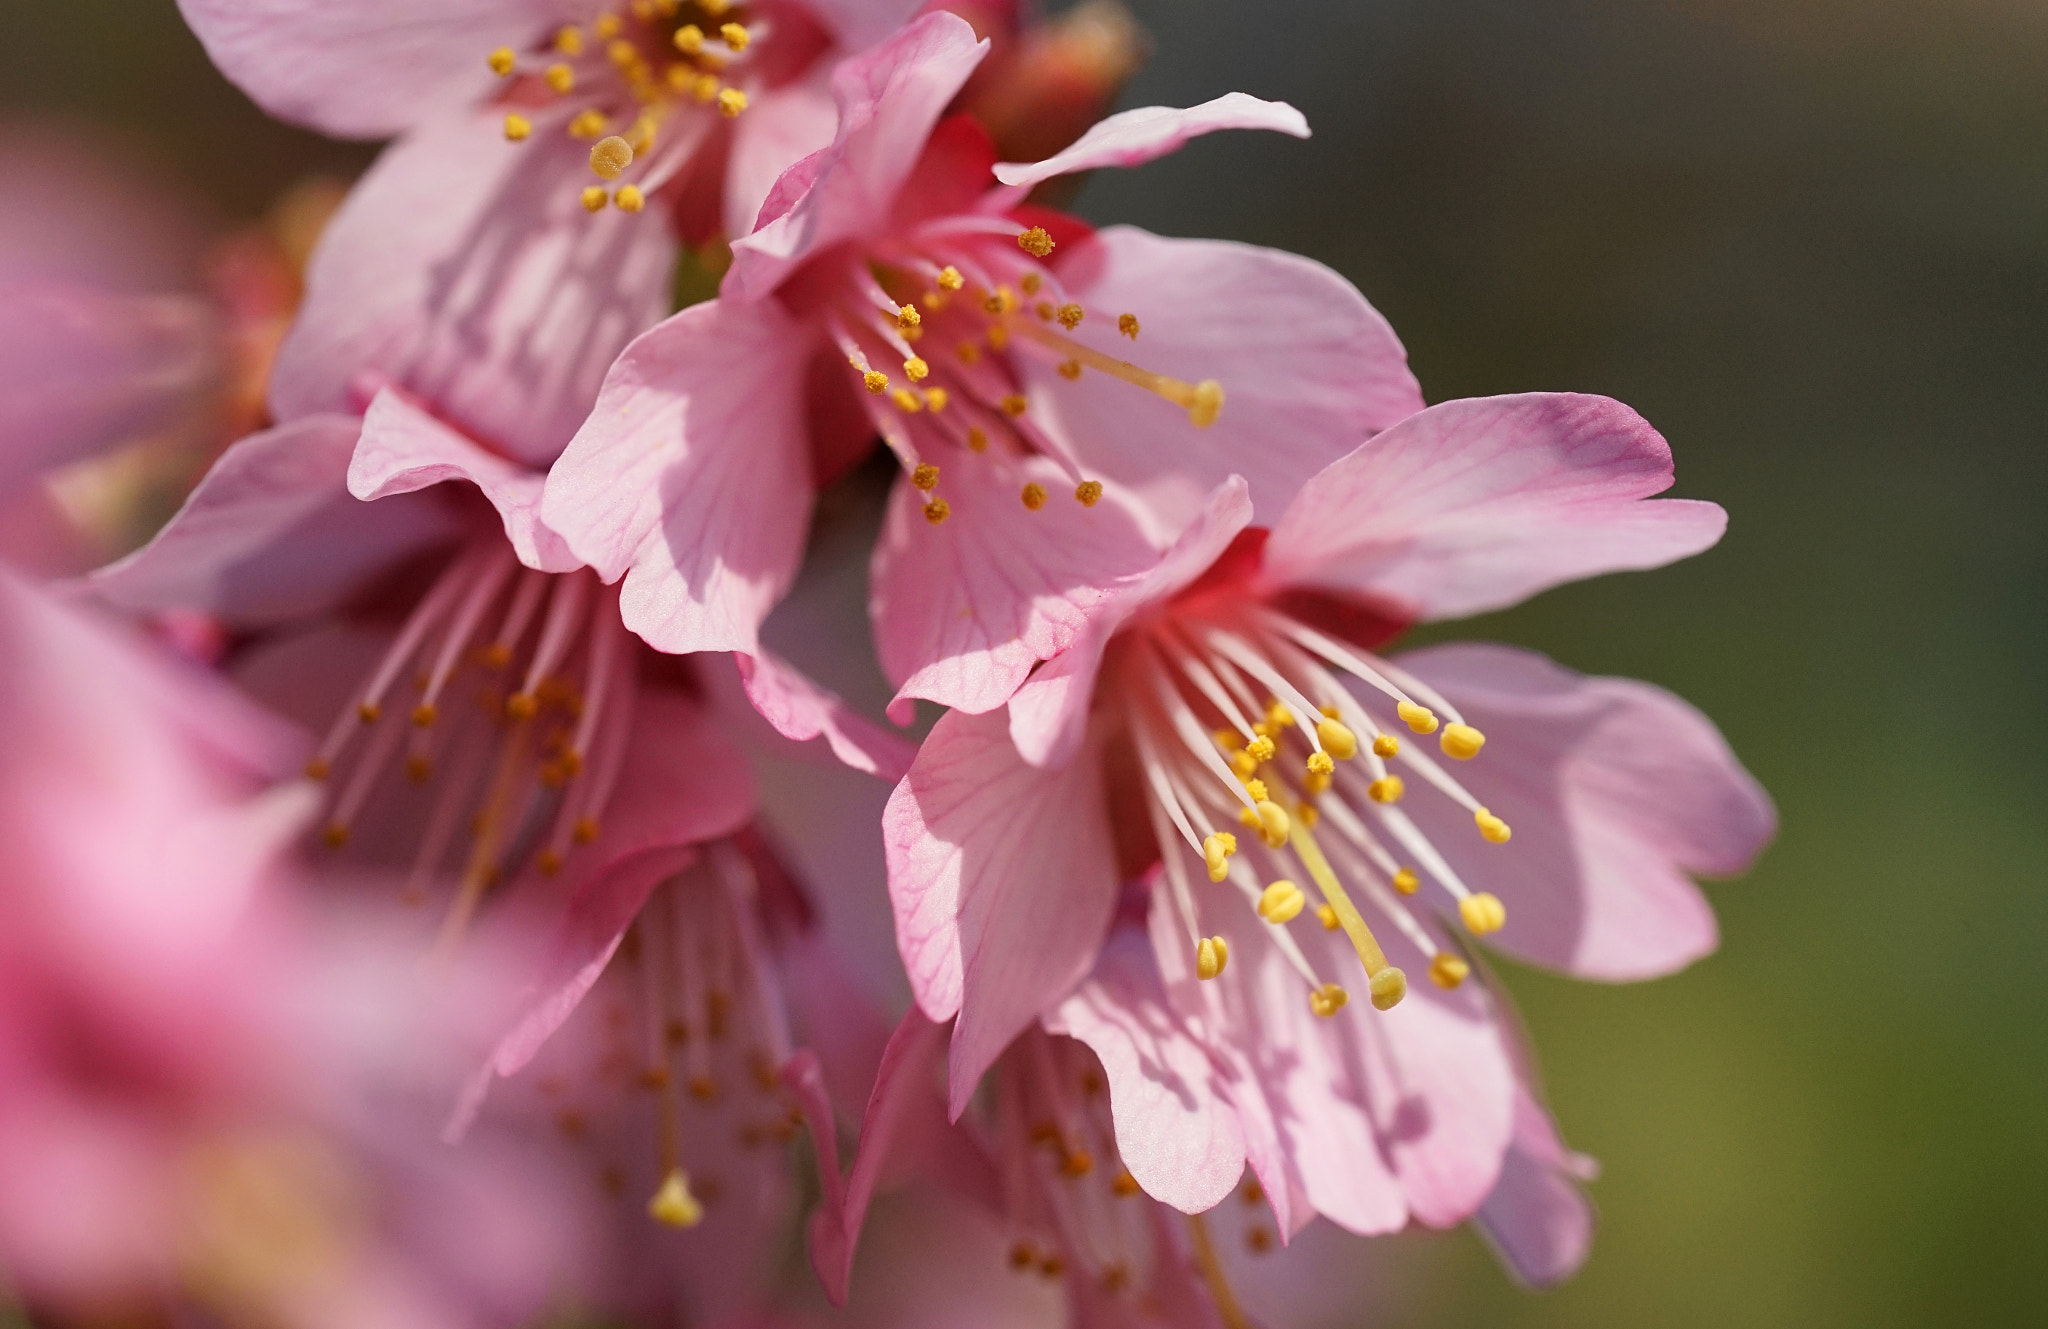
{"points": [[393, 930]]}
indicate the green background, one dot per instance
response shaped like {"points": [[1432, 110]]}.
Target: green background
{"points": [[1809, 240]]}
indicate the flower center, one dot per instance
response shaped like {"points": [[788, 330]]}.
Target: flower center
{"points": [[509, 693], [978, 292], [1238, 716], [639, 84]]}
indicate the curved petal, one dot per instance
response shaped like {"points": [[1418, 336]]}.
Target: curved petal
{"points": [[465, 269], [1002, 877], [1479, 503], [779, 130], [1307, 368], [403, 450], [1136, 136], [1618, 792], [800, 710], [271, 534], [1175, 1129], [692, 473], [889, 98], [82, 370], [964, 609], [1538, 1220], [369, 68]]}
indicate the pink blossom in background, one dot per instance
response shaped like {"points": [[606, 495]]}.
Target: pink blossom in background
{"points": [[892, 287]]}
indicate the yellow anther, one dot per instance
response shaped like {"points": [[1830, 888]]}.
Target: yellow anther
{"points": [[1034, 496], [1388, 986], [1031, 281], [424, 714], [969, 352], [1307, 814], [560, 77], [1447, 971], [1273, 824], [1261, 748], [937, 511], [705, 88], [1419, 718], [1281, 902], [1406, 882], [594, 198], [1483, 913], [977, 439], [569, 41], [517, 127], [496, 655], [1492, 827], [1088, 493], [1127, 324], [606, 26], [1328, 918], [368, 711], [502, 61], [1257, 789], [640, 135], [998, 337], [522, 706], [623, 53], [1327, 1000], [1207, 403], [950, 278], [917, 369], [876, 380], [335, 834], [1319, 763], [1070, 316], [548, 861], [1012, 404], [1070, 369], [1337, 739], [714, 7], [673, 1204], [1077, 1163], [731, 102], [1000, 301], [906, 401], [1315, 782], [936, 398], [1210, 956], [587, 124], [908, 317], [1226, 739], [1278, 717], [1216, 852], [1462, 742], [1244, 763], [1123, 1185], [610, 156], [630, 199], [1044, 311], [319, 768], [735, 36], [1386, 789], [1386, 747], [925, 477], [689, 39], [1035, 242]]}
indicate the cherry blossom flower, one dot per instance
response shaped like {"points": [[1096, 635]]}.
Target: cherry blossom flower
{"points": [[892, 289], [1229, 720], [495, 259]]}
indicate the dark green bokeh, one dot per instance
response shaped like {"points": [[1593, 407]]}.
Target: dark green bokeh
{"points": [[1809, 240]]}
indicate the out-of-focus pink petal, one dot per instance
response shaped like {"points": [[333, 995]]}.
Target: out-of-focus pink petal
{"points": [[963, 610], [1475, 504], [1136, 136], [1049, 713], [83, 370], [403, 449], [1617, 792], [272, 534], [369, 68], [889, 98], [1174, 1130], [1002, 877], [1538, 1220], [801, 710], [465, 269], [858, 24], [1307, 368], [690, 476]]}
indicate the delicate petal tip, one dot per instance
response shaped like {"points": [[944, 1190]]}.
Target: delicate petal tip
{"points": [[800, 710], [1131, 138]]}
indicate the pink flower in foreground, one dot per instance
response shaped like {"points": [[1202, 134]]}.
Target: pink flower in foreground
{"points": [[1227, 719], [187, 1110], [893, 288], [471, 268]]}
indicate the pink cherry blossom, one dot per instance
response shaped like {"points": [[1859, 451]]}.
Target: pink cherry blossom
{"points": [[894, 287], [1227, 719], [525, 224]]}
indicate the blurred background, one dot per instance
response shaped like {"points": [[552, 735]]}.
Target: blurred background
{"points": [[1809, 240]]}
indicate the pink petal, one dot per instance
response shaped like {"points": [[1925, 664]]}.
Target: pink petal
{"points": [[800, 710], [465, 269], [1538, 1220], [861, 23], [1049, 713], [81, 371], [775, 134], [403, 450], [272, 534], [1618, 793], [1307, 367], [889, 98], [368, 68], [691, 472], [964, 609], [1479, 503], [1002, 877], [1175, 1127], [1134, 137]]}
